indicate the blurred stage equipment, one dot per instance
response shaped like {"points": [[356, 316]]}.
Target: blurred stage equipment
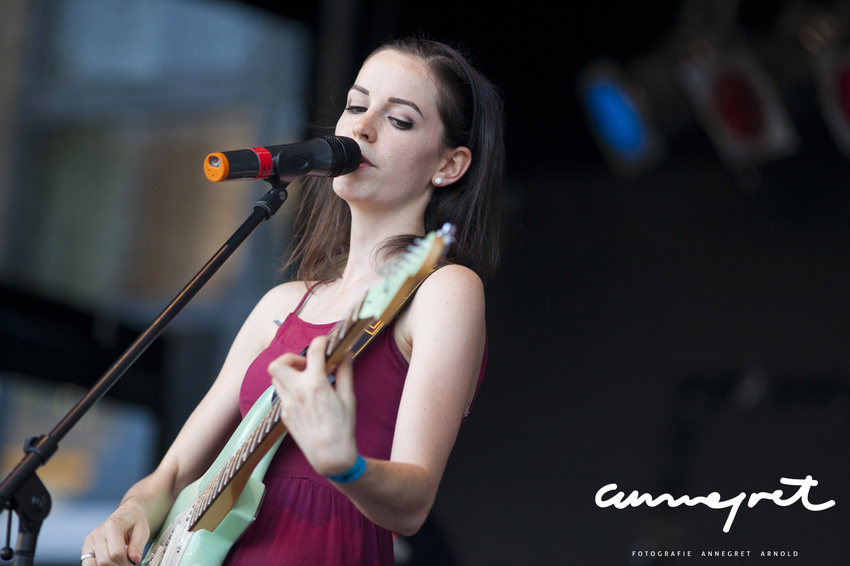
{"points": [[824, 34], [736, 85], [833, 76], [620, 119], [739, 108]]}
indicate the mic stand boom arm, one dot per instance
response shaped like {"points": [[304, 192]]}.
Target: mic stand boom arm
{"points": [[22, 491]]}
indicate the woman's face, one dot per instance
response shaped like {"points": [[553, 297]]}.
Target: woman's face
{"points": [[391, 112]]}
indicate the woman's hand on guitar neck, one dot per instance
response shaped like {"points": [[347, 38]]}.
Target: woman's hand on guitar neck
{"points": [[120, 539], [320, 417]]}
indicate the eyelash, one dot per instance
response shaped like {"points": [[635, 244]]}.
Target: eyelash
{"points": [[400, 124]]}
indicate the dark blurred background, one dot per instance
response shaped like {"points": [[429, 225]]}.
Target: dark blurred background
{"points": [[671, 315]]}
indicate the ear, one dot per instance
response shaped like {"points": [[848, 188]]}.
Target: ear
{"points": [[455, 163]]}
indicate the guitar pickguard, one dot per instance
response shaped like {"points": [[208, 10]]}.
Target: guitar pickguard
{"points": [[176, 545]]}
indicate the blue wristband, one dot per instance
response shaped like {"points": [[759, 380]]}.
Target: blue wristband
{"points": [[353, 473]]}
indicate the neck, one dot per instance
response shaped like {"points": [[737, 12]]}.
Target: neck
{"points": [[368, 234]]}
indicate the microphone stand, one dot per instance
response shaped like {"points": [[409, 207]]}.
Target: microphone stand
{"points": [[22, 492]]}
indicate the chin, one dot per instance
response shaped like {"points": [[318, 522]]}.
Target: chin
{"points": [[345, 189], [339, 184]]}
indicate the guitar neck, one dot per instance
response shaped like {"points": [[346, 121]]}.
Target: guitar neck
{"points": [[344, 335]]}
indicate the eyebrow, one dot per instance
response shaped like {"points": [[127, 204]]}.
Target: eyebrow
{"points": [[392, 99]]}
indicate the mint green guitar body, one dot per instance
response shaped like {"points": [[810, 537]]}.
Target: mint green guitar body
{"points": [[176, 545]]}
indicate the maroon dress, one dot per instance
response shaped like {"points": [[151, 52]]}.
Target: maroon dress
{"points": [[303, 520]]}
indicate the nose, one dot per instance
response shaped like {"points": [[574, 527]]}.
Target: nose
{"points": [[364, 129]]}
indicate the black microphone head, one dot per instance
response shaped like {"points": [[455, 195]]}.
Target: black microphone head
{"points": [[346, 155]]}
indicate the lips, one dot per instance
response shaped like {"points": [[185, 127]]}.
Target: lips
{"points": [[365, 161]]}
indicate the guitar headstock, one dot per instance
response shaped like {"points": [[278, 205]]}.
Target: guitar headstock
{"points": [[383, 299], [405, 274]]}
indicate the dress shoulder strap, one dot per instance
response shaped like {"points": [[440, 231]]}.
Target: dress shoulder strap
{"points": [[306, 296]]}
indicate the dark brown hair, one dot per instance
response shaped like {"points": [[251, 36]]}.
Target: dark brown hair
{"points": [[471, 111]]}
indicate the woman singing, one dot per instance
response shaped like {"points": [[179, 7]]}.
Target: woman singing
{"points": [[363, 458]]}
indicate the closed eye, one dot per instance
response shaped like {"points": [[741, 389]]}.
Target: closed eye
{"points": [[401, 124]]}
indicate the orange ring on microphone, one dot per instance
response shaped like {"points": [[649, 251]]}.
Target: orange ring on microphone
{"points": [[216, 167]]}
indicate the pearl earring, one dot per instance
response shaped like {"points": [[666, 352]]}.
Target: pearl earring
{"points": [[438, 180]]}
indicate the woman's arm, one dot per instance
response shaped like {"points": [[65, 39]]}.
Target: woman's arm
{"points": [[121, 538], [444, 328]]}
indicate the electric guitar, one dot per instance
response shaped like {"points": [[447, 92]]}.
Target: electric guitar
{"points": [[210, 514]]}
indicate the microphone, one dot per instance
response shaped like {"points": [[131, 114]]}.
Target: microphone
{"points": [[329, 156]]}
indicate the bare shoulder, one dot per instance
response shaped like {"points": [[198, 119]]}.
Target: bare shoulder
{"points": [[271, 309], [453, 285], [449, 302], [282, 299]]}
